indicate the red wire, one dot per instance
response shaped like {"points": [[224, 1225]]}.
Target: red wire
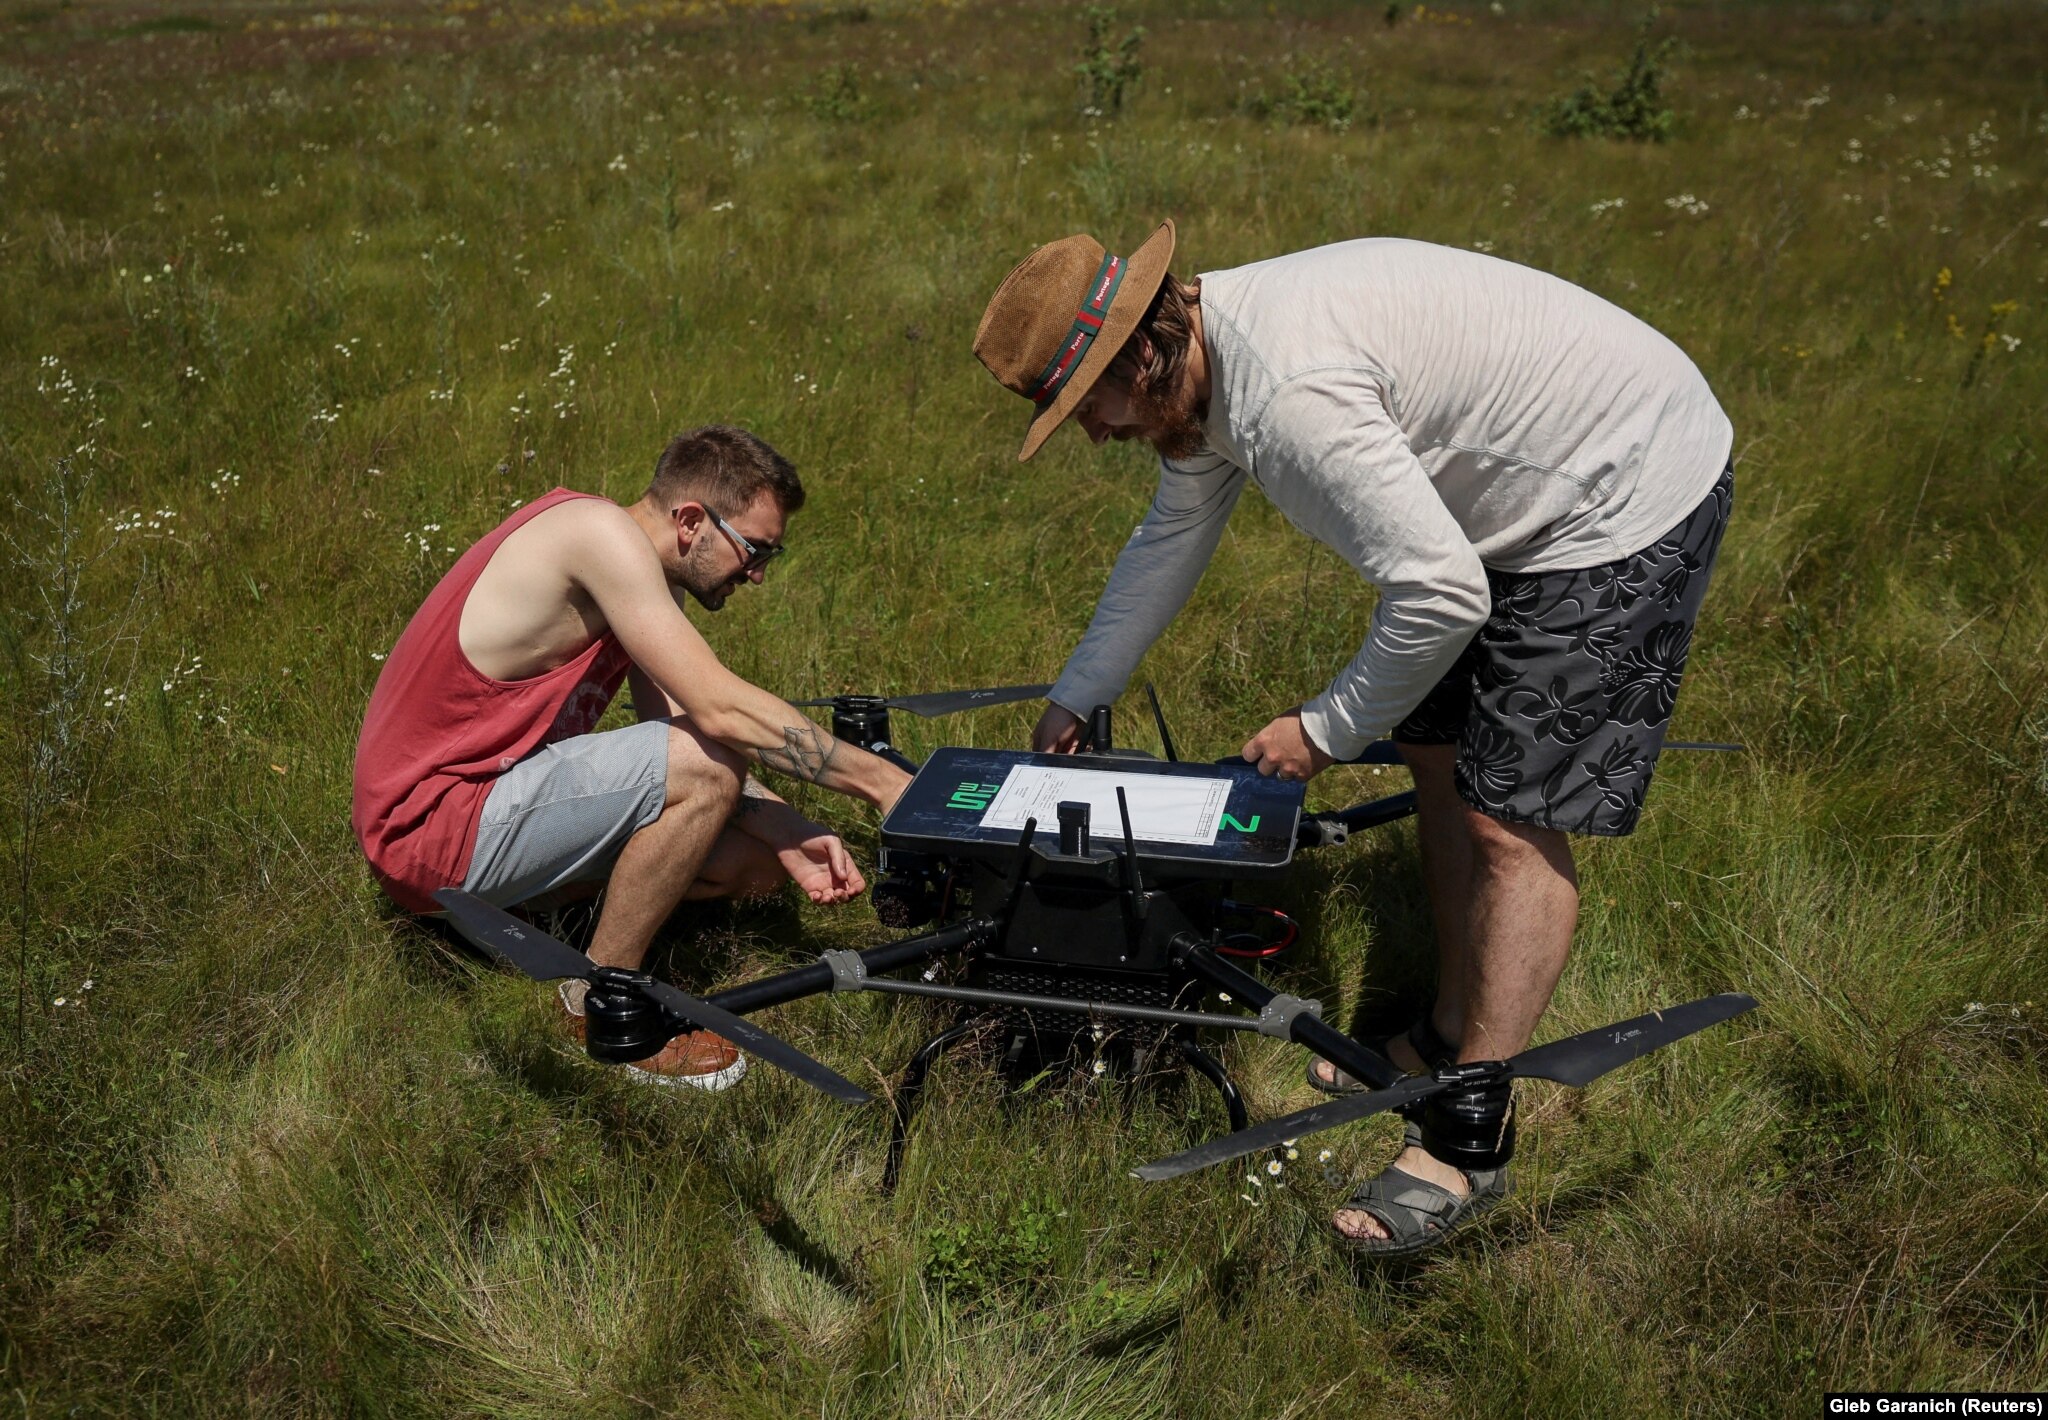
{"points": [[1272, 950]]}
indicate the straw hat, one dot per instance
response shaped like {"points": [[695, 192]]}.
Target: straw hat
{"points": [[1057, 321]]}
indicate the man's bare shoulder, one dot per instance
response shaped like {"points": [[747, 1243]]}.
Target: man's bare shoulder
{"points": [[578, 520], [584, 535], [560, 579]]}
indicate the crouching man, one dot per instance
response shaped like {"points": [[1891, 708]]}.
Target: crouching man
{"points": [[1535, 481], [477, 767]]}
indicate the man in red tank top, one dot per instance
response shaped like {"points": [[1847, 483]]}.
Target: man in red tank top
{"points": [[478, 768]]}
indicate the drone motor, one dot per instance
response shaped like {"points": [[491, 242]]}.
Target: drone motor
{"points": [[1472, 1127], [621, 1021], [862, 720]]}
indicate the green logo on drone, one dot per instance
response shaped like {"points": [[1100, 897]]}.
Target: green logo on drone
{"points": [[1252, 827], [974, 797]]}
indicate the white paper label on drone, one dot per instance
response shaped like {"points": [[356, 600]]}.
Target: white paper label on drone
{"points": [[1165, 808]]}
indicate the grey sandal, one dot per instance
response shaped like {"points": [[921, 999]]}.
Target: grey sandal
{"points": [[1433, 1049], [1417, 1214]]}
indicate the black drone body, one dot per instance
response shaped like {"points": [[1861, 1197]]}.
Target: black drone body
{"points": [[1090, 897]]}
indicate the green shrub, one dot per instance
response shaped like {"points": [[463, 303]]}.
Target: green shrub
{"points": [[835, 96], [1109, 69], [971, 1260], [1633, 109], [1312, 93]]}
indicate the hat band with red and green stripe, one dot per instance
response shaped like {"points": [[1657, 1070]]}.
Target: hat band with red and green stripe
{"points": [[1087, 325]]}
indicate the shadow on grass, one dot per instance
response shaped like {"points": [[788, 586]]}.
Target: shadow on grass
{"points": [[786, 1233], [1609, 1191], [1146, 1333], [1365, 915], [432, 953], [703, 944]]}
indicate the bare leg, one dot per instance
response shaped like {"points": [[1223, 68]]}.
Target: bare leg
{"points": [[662, 860], [1525, 907], [1523, 898], [739, 865], [1447, 874]]}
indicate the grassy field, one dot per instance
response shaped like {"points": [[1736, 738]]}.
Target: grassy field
{"points": [[295, 302]]}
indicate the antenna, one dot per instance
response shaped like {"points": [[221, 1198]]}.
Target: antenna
{"points": [[1022, 863], [1159, 718], [1134, 882]]}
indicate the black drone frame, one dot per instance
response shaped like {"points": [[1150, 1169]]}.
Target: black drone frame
{"points": [[631, 1015]]}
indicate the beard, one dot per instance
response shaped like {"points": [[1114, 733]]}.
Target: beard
{"points": [[696, 578], [1175, 414]]}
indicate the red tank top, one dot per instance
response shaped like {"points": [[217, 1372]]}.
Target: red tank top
{"points": [[439, 731]]}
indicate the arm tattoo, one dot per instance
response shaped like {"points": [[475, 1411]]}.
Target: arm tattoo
{"points": [[752, 796], [805, 752]]}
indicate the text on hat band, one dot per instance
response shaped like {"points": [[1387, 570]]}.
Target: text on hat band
{"points": [[1087, 325]]}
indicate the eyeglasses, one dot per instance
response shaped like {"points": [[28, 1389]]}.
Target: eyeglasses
{"points": [[754, 556]]}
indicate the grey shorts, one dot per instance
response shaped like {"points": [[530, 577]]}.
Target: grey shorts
{"points": [[1559, 705], [560, 816]]}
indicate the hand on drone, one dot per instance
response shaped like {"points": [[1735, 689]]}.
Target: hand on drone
{"points": [[1284, 748], [1058, 732], [819, 864]]}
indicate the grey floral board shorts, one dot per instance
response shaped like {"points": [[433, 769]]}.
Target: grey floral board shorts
{"points": [[561, 815], [1559, 705]]}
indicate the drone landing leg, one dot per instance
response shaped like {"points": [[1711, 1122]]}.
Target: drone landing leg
{"points": [[908, 1093], [1210, 1066]]}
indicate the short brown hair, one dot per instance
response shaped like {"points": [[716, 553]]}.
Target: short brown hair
{"points": [[726, 467], [1169, 324]]}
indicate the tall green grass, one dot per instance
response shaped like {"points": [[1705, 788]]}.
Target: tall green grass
{"points": [[295, 303]]}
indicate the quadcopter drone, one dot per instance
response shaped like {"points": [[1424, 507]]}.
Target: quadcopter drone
{"points": [[1088, 897]]}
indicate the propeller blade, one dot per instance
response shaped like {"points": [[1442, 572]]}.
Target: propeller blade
{"points": [[543, 958], [748, 1036], [1703, 744], [1578, 1060], [1293, 1126], [945, 702], [948, 702], [523, 947]]}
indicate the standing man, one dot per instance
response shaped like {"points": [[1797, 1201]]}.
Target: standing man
{"points": [[477, 767], [1536, 483]]}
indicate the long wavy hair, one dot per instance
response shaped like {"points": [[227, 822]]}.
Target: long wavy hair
{"points": [[1168, 324]]}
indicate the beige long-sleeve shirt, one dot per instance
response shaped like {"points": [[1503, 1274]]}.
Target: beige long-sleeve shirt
{"points": [[1428, 413]]}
